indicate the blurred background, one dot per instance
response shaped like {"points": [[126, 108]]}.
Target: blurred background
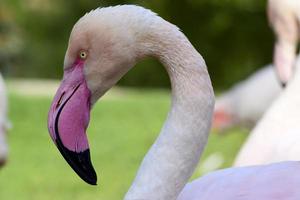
{"points": [[232, 35]]}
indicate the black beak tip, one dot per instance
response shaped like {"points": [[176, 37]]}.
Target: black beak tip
{"points": [[283, 84], [80, 163]]}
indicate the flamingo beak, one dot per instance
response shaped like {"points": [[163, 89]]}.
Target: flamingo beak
{"points": [[68, 120], [284, 60]]}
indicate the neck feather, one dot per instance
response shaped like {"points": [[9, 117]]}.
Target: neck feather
{"points": [[173, 157]]}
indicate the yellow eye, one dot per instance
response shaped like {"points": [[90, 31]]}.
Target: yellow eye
{"points": [[83, 55]]}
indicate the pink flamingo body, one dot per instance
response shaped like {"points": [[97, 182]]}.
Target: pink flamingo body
{"points": [[270, 182]]}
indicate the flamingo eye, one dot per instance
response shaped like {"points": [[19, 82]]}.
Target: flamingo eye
{"points": [[83, 55]]}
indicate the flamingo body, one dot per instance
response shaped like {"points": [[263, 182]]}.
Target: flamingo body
{"points": [[271, 182]]}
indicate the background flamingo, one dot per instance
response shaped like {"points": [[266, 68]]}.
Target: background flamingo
{"points": [[284, 17], [237, 107], [103, 46], [280, 127], [3, 123], [281, 119]]}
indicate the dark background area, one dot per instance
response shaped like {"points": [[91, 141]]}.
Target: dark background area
{"points": [[233, 36]]}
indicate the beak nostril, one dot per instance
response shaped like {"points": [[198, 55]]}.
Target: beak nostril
{"points": [[60, 100]]}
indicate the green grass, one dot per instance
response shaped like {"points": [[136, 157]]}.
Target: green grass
{"points": [[121, 130]]}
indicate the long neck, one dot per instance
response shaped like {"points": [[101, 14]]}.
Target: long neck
{"points": [[173, 157]]}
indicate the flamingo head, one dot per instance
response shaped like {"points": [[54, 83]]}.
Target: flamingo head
{"points": [[222, 118], [102, 48], [283, 20]]}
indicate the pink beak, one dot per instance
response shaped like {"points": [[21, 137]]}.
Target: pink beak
{"points": [[68, 120], [284, 60]]}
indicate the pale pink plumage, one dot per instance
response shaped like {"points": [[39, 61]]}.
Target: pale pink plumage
{"points": [[270, 182]]}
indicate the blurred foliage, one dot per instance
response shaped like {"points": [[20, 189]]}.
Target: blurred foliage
{"points": [[232, 35]]}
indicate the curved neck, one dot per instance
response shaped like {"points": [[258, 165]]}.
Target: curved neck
{"points": [[173, 157]]}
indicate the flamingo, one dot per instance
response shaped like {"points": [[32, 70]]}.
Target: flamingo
{"points": [[280, 121], [284, 17], [237, 107], [3, 123], [106, 43]]}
